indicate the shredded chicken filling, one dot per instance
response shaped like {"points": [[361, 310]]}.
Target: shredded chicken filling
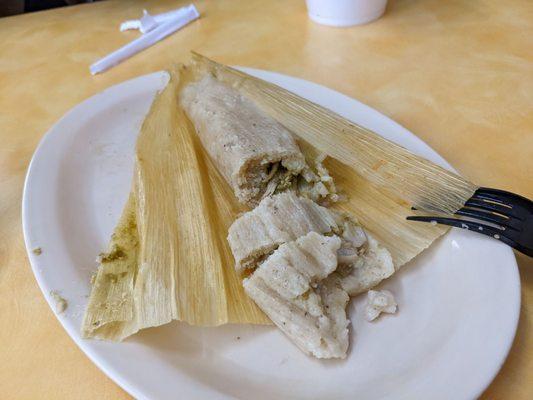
{"points": [[315, 185]]}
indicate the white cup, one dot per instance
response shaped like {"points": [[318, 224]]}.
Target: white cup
{"points": [[345, 12]]}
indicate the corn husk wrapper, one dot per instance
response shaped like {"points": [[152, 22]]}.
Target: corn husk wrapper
{"points": [[181, 267], [380, 179], [412, 178], [110, 312]]}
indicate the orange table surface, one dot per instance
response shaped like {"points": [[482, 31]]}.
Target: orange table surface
{"points": [[459, 74]]}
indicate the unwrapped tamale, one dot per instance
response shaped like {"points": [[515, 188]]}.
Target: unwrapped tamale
{"points": [[256, 154], [181, 201], [276, 220], [286, 217], [249, 147], [294, 289]]}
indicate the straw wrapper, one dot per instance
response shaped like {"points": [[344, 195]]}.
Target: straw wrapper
{"points": [[148, 22], [169, 25]]}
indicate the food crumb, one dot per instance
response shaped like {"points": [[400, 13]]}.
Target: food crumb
{"points": [[379, 301], [116, 253], [37, 251], [61, 303]]}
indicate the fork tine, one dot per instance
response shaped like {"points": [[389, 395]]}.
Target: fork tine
{"points": [[502, 196], [485, 205], [519, 206], [473, 226], [491, 197], [458, 223], [488, 216], [510, 216]]}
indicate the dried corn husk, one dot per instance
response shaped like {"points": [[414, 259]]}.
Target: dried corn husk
{"points": [[182, 267], [412, 178], [110, 312], [180, 208], [380, 179], [185, 269]]}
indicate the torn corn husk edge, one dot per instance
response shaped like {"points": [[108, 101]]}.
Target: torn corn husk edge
{"points": [[110, 312], [422, 183], [114, 310]]}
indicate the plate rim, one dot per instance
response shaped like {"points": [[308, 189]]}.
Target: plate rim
{"points": [[110, 371]]}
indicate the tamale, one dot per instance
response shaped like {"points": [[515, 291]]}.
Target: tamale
{"points": [[253, 151], [387, 165], [247, 146], [285, 217], [304, 261], [370, 264], [276, 220], [380, 180], [292, 287]]}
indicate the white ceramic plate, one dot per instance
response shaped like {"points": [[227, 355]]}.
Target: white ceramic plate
{"points": [[458, 302]]}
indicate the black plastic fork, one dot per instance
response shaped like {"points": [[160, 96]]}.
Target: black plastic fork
{"points": [[509, 215]]}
